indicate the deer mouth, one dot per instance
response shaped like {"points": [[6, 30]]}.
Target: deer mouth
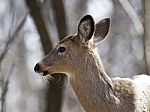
{"points": [[45, 73]]}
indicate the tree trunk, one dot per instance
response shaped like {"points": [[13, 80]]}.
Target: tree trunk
{"points": [[147, 32], [54, 94]]}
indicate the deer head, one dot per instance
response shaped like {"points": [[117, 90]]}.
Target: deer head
{"points": [[68, 55]]}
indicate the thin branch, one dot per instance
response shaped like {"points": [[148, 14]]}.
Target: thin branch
{"points": [[41, 25], [12, 38], [54, 94], [5, 88], [60, 17], [133, 16]]}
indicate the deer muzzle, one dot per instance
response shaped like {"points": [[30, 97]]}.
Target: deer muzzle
{"points": [[41, 68]]}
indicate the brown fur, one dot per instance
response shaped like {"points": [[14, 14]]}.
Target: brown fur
{"points": [[96, 91]]}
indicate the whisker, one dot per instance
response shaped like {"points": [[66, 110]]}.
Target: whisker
{"points": [[46, 80], [50, 77], [58, 79], [63, 85]]}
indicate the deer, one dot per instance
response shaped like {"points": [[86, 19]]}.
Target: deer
{"points": [[76, 56]]}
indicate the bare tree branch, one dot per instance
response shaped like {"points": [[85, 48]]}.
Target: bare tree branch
{"points": [[55, 97], [133, 16], [54, 94], [5, 88], [41, 24], [60, 17], [147, 32], [12, 38]]}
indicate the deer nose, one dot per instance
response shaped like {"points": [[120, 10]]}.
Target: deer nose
{"points": [[37, 67]]}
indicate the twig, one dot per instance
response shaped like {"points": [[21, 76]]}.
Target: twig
{"points": [[41, 24], [60, 17], [133, 16], [5, 88], [11, 39]]}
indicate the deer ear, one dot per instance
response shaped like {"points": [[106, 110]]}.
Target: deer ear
{"points": [[101, 31], [86, 28]]}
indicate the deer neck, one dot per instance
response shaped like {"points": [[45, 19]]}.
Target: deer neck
{"points": [[92, 86]]}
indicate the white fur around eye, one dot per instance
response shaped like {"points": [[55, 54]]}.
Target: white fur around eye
{"points": [[61, 54], [61, 51]]}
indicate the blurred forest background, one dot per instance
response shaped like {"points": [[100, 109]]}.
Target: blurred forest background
{"points": [[30, 28]]}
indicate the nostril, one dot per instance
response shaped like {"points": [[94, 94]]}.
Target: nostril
{"points": [[37, 68]]}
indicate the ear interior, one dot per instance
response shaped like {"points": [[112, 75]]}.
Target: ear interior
{"points": [[101, 31], [86, 28]]}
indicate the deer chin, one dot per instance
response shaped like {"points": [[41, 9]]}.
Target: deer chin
{"points": [[45, 73]]}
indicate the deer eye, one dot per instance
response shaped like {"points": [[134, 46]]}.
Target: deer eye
{"points": [[62, 49]]}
